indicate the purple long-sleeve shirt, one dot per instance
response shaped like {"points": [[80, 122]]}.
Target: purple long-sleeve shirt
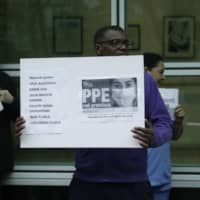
{"points": [[130, 164]]}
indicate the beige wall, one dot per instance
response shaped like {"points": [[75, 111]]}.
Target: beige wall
{"points": [[29, 26], [149, 15], [27, 30]]}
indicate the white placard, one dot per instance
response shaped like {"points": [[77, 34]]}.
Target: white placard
{"points": [[171, 99], [81, 102]]}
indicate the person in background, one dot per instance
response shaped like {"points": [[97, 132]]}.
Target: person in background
{"points": [[159, 163], [9, 111], [112, 173]]}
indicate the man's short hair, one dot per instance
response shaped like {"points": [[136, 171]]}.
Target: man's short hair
{"points": [[151, 59], [100, 33]]}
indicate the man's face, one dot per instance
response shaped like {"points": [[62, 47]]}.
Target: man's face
{"points": [[115, 43]]}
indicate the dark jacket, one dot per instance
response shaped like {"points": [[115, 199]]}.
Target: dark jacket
{"points": [[9, 113]]}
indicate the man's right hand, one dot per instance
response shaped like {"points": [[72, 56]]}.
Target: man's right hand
{"points": [[19, 125]]}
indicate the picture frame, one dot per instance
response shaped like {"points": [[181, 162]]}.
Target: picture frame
{"points": [[133, 31], [67, 35], [179, 33]]}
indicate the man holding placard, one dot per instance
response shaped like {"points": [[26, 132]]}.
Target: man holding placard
{"points": [[121, 173], [117, 173]]}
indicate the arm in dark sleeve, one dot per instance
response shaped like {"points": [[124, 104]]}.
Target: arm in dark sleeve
{"points": [[12, 109], [157, 113], [177, 129], [6, 83]]}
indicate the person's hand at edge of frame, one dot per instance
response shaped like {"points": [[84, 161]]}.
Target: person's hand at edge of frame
{"points": [[6, 97]]}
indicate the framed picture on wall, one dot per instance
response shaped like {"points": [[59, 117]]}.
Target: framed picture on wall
{"points": [[133, 31], [67, 35], [179, 35]]}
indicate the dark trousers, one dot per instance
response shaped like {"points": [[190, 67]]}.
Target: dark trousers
{"points": [[82, 190]]}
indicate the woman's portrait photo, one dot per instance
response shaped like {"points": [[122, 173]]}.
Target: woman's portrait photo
{"points": [[124, 92]]}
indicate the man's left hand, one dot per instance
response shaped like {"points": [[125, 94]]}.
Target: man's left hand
{"points": [[144, 135]]}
